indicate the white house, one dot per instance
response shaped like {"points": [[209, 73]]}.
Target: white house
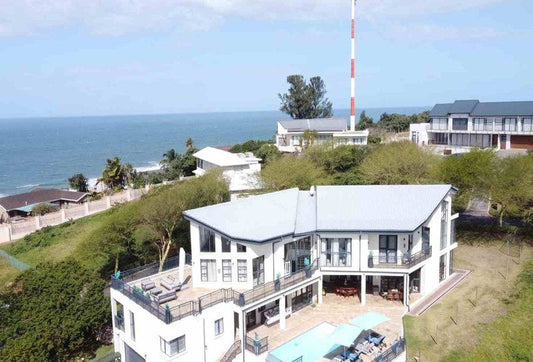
{"points": [[289, 135], [463, 124], [257, 260], [239, 169]]}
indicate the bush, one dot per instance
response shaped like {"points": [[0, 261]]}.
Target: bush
{"points": [[291, 171], [43, 208]]}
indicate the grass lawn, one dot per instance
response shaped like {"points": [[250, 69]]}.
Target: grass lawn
{"points": [[52, 244], [458, 321], [104, 349]]}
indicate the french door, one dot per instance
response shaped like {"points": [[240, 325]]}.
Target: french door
{"points": [[388, 249], [258, 265]]}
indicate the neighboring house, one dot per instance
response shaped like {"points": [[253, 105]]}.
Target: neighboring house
{"points": [[257, 260], [459, 126], [22, 204], [240, 169], [289, 136]]}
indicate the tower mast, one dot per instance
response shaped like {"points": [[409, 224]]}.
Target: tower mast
{"points": [[352, 85]]}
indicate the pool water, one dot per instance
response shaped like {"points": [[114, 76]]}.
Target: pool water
{"points": [[307, 345]]}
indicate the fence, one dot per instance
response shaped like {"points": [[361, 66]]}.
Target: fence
{"points": [[11, 260], [256, 346], [17, 230], [392, 352]]}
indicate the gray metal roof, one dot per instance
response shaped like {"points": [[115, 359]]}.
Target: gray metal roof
{"points": [[400, 208], [315, 124], [476, 108]]}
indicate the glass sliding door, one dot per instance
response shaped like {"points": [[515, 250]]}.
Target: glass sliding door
{"points": [[258, 266], [388, 249]]}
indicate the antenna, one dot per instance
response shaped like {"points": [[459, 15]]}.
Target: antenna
{"points": [[352, 85]]}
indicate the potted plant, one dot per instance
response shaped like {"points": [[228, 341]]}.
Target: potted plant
{"points": [[277, 282], [371, 259]]}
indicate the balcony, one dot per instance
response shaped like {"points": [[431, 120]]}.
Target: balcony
{"points": [[399, 262]]}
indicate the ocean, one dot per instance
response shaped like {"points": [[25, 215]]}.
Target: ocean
{"points": [[44, 152]]}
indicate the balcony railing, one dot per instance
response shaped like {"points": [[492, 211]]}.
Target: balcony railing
{"points": [[404, 261], [195, 307], [262, 291], [256, 346]]}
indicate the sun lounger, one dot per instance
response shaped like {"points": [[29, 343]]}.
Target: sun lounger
{"points": [[171, 284], [147, 285], [164, 297]]}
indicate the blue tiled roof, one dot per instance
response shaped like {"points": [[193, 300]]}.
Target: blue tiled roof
{"points": [[476, 108]]}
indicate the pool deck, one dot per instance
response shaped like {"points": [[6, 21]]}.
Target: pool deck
{"points": [[334, 309]]}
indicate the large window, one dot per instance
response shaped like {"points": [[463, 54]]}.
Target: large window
{"points": [[242, 270], [443, 225], [479, 124], [258, 268], [388, 249], [219, 326], [439, 139], [498, 124], [460, 124], [226, 270], [336, 252], [119, 316], [226, 245], [439, 123], [509, 124], [527, 124], [296, 253], [207, 240], [132, 326], [173, 347], [208, 270]]}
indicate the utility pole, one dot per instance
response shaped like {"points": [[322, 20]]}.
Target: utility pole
{"points": [[352, 84]]}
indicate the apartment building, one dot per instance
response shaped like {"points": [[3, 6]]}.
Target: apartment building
{"points": [[464, 124], [260, 259], [290, 133]]}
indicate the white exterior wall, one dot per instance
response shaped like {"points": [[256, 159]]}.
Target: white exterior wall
{"points": [[198, 330]]}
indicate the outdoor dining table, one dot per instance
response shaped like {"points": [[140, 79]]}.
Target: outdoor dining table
{"points": [[347, 291]]}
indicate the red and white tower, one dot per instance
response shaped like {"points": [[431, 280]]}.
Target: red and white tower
{"points": [[352, 85]]}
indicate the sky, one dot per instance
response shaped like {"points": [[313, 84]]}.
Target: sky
{"points": [[101, 57]]}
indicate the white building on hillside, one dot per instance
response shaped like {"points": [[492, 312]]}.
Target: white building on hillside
{"points": [[258, 260], [240, 169], [289, 135]]}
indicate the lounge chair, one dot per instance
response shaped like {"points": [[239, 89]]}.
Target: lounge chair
{"points": [[147, 285], [375, 338], [171, 284], [164, 297]]}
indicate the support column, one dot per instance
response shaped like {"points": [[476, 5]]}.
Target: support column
{"points": [[10, 232], [63, 215], [405, 289], [363, 289], [242, 334], [282, 321], [86, 207], [320, 288]]}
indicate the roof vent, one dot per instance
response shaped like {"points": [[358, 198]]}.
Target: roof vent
{"points": [[312, 191]]}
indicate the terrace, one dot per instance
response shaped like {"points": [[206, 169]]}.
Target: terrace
{"points": [[171, 296]]}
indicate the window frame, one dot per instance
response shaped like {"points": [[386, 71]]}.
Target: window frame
{"points": [[166, 346], [226, 265], [219, 327], [204, 270], [132, 325], [208, 246], [225, 244], [242, 265]]}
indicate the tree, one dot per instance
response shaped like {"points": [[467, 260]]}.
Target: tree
{"points": [[364, 122], [290, 171], [248, 146], [78, 182], [470, 172], [511, 185], [398, 163], [52, 312], [306, 100], [309, 137], [400, 122], [115, 175], [268, 153], [168, 158], [162, 212]]}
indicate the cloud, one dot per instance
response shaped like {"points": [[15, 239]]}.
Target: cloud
{"points": [[119, 17]]}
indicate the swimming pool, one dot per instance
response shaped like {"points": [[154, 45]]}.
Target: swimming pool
{"points": [[306, 345]]}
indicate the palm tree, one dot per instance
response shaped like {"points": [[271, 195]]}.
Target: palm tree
{"points": [[168, 157], [114, 175]]}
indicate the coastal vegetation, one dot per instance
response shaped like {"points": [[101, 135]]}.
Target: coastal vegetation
{"points": [[78, 182], [306, 100], [43, 208]]}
